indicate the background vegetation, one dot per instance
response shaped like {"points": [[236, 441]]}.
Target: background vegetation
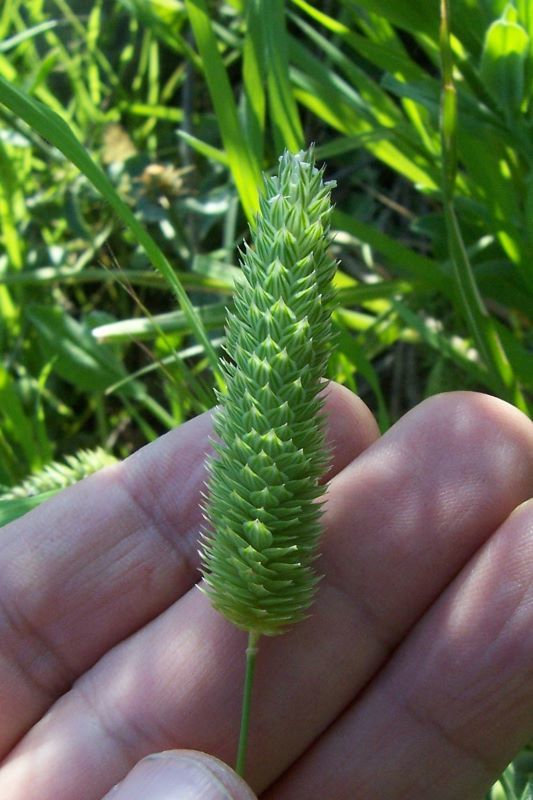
{"points": [[125, 197]]}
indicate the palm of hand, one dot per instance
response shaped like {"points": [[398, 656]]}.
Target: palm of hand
{"points": [[413, 675]]}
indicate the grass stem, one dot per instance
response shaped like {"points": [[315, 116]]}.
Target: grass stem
{"points": [[251, 653]]}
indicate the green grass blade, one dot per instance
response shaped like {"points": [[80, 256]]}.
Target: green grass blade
{"points": [[413, 17], [283, 110], [162, 21], [388, 56], [77, 357], [15, 421], [143, 328], [253, 77], [405, 261], [448, 347], [153, 111], [13, 244], [94, 27], [45, 276], [335, 101], [245, 170], [205, 149], [23, 36], [17, 507]]}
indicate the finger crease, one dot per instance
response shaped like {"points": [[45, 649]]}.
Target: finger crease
{"points": [[183, 559], [382, 637], [121, 744], [428, 721], [34, 656]]}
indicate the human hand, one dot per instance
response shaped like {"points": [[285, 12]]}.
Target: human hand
{"points": [[412, 677]]}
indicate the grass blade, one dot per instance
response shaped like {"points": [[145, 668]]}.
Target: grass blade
{"points": [[283, 110], [245, 170], [253, 77], [14, 508]]}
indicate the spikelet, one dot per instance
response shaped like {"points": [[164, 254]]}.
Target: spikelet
{"points": [[262, 511], [58, 475]]}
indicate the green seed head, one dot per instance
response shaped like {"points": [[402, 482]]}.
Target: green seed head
{"points": [[262, 510]]}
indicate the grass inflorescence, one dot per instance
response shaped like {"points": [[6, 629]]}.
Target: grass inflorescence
{"points": [[262, 509]]}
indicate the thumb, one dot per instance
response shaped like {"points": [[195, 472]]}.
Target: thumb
{"points": [[181, 775]]}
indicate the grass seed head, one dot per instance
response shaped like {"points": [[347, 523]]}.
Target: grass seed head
{"points": [[263, 518]]}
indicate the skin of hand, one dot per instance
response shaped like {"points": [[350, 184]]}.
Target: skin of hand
{"points": [[412, 677]]}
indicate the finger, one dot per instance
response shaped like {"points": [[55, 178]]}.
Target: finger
{"points": [[350, 429], [177, 682], [181, 775], [456, 702], [104, 557]]}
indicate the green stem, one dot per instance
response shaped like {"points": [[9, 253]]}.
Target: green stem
{"points": [[251, 653]]}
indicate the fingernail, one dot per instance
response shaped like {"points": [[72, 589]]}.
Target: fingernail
{"points": [[181, 775]]}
